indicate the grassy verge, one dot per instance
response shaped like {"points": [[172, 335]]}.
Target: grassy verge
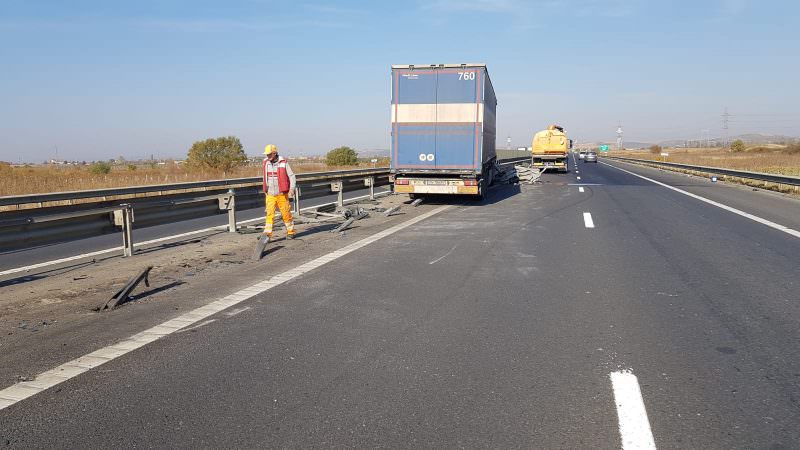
{"points": [[775, 160], [42, 179]]}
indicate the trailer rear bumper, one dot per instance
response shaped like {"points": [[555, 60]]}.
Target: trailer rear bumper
{"points": [[554, 161], [436, 186]]}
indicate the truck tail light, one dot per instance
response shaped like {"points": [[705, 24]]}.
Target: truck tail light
{"points": [[470, 182], [400, 181]]}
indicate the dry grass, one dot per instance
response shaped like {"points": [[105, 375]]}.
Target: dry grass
{"points": [[41, 179], [756, 159]]}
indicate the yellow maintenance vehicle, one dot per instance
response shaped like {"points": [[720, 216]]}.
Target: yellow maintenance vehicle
{"points": [[550, 148]]}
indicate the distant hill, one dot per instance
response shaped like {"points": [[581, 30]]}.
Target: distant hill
{"points": [[377, 152]]}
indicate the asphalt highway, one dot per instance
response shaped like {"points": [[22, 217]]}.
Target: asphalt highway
{"points": [[600, 312]]}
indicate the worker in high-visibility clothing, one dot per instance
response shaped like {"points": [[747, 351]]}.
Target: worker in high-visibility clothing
{"points": [[279, 184]]}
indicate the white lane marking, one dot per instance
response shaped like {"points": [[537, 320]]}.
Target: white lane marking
{"points": [[445, 255], [579, 178], [634, 427], [161, 239], [587, 220], [580, 189], [50, 378], [755, 218]]}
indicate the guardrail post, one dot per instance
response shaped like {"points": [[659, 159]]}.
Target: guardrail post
{"points": [[127, 230], [338, 186], [370, 181], [231, 211], [297, 199]]}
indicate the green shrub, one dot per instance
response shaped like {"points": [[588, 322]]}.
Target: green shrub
{"points": [[100, 168], [342, 156], [222, 153]]}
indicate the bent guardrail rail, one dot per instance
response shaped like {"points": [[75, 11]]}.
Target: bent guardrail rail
{"points": [[757, 176]]}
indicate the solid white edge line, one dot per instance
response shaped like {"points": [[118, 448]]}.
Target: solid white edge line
{"points": [[587, 220], [634, 427], [57, 375], [755, 218], [162, 239]]}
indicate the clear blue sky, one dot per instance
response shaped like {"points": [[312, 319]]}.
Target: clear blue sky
{"points": [[100, 78]]}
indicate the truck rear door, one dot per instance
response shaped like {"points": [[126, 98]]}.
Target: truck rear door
{"points": [[414, 118], [458, 113]]}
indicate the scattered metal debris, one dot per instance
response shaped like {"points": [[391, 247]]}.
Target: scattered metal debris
{"points": [[261, 245], [520, 174], [391, 211], [344, 225], [122, 295], [417, 202]]}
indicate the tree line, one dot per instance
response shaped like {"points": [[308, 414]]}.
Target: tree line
{"points": [[225, 153]]}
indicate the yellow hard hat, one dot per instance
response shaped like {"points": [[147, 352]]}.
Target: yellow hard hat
{"points": [[270, 148]]}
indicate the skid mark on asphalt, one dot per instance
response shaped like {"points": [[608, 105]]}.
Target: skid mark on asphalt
{"points": [[203, 323], [634, 427], [443, 256], [71, 369], [236, 311]]}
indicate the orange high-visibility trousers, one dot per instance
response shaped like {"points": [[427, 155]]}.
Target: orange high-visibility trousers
{"points": [[283, 204]]}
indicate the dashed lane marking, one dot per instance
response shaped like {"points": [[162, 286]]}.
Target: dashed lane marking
{"points": [[587, 220], [739, 212], [634, 427], [66, 371], [580, 189]]}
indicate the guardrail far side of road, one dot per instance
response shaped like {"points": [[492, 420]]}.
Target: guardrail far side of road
{"points": [[780, 183], [42, 219]]}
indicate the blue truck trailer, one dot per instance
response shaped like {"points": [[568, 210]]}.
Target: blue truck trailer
{"points": [[443, 129]]}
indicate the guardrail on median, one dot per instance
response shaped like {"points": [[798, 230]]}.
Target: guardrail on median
{"points": [[42, 219], [780, 182]]}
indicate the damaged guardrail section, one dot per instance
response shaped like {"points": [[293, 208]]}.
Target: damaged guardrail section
{"points": [[32, 220]]}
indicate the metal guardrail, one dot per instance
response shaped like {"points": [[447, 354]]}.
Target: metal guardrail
{"points": [[514, 160], [42, 219], [758, 176], [33, 201], [42, 225]]}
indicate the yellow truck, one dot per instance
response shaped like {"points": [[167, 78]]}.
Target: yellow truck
{"points": [[550, 148]]}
